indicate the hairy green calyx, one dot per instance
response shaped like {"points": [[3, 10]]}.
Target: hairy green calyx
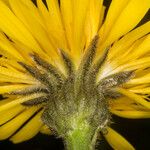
{"points": [[75, 106]]}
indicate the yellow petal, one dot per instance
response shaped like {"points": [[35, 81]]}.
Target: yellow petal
{"points": [[126, 104], [38, 32], [141, 90], [54, 24], [126, 64], [129, 17], [10, 88], [15, 74], [29, 130], [114, 11], [33, 11], [45, 130], [80, 8], [12, 63], [141, 80], [6, 2], [142, 49], [132, 114], [9, 128], [54, 11], [15, 29], [135, 97], [9, 114], [4, 78], [67, 18], [5, 104], [7, 46], [116, 141], [122, 45], [93, 20]]}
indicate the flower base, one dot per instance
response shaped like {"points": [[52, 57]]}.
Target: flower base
{"points": [[81, 138]]}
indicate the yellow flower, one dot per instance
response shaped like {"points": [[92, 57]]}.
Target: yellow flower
{"points": [[33, 36]]}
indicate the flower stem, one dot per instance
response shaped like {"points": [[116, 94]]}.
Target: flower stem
{"points": [[81, 138]]}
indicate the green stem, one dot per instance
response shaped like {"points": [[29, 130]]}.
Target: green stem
{"points": [[81, 138]]}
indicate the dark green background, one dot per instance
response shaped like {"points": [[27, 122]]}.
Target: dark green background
{"points": [[136, 131]]}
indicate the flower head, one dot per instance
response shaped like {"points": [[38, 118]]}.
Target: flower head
{"points": [[66, 67]]}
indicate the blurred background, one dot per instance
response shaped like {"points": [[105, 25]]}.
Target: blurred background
{"points": [[136, 131]]}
